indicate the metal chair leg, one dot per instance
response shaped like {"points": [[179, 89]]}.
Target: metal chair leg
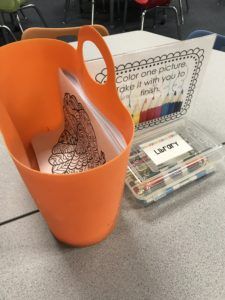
{"points": [[80, 7], [66, 8], [155, 17], [187, 5], [13, 21], [3, 17], [174, 9], [125, 14], [111, 17], [181, 11], [143, 19], [118, 7], [19, 22], [4, 27], [92, 11], [163, 21], [23, 15], [37, 11]]}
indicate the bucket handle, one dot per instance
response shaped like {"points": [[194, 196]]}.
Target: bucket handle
{"points": [[87, 33]]}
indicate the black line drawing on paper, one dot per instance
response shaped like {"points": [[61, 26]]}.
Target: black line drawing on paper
{"points": [[77, 148]]}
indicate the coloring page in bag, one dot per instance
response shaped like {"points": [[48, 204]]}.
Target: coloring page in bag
{"points": [[81, 143]]}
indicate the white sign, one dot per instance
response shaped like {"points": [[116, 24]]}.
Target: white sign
{"points": [[158, 84], [166, 148]]}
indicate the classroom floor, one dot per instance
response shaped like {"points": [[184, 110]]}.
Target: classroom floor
{"points": [[205, 14]]}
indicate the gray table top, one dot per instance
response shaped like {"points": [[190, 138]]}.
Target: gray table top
{"points": [[174, 249]]}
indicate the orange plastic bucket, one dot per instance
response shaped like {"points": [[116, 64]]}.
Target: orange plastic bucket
{"points": [[80, 209]]}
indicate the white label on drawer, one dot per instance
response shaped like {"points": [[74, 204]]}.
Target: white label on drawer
{"points": [[165, 148]]}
